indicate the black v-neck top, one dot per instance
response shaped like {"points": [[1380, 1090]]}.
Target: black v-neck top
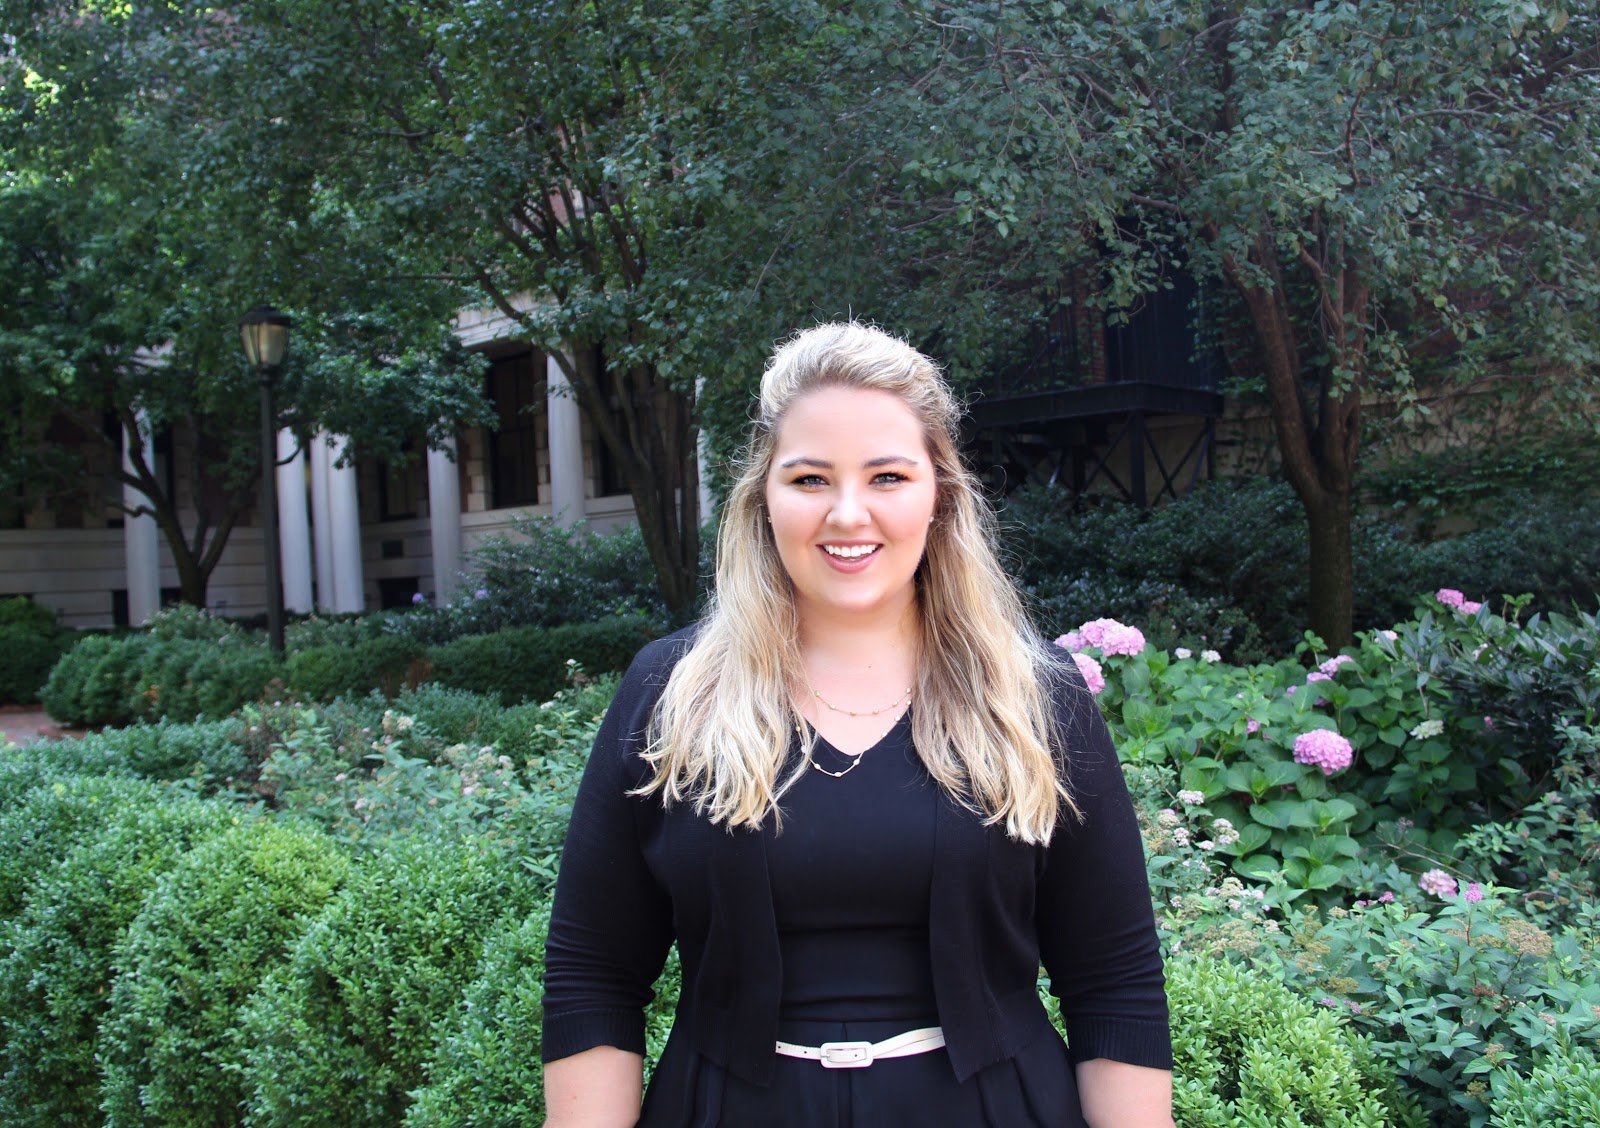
{"points": [[852, 871]]}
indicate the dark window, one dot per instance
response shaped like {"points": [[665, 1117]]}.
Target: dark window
{"points": [[397, 591], [517, 390], [608, 479], [398, 487]]}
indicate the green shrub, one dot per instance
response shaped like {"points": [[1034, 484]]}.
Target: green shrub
{"points": [[1449, 992], [1548, 850], [225, 914], [384, 663], [1561, 1090], [487, 1072], [106, 680], [203, 750], [524, 732], [186, 679], [32, 644], [1247, 1050], [342, 1033], [546, 575], [41, 824], [55, 976], [71, 695], [532, 664]]}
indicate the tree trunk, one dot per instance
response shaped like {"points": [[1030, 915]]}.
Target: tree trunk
{"points": [[1332, 567], [1317, 440], [653, 439]]}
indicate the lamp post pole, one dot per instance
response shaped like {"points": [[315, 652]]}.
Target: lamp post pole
{"points": [[265, 334]]}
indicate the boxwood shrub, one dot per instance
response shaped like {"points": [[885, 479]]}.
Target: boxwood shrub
{"points": [[32, 644], [1248, 1050], [55, 976], [41, 824], [386, 663], [487, 1073], [530, 663], [116, 680], [343, 1031], [228, 911]]}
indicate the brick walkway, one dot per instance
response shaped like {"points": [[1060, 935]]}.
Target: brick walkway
{"points": [[23, 725]]}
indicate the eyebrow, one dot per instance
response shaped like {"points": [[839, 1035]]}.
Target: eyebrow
{"points": [[870, 464]]}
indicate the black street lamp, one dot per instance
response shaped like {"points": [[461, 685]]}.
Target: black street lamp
{"points": [[265, 334]]}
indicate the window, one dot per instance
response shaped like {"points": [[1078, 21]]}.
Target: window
{"points": [[517, 390], [608, 479], [398, 486]]}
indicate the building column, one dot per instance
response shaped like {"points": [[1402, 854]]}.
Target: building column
{"points": [[344, 521], [294, 534], [565, 423], [140, 539], [444, 520], [321, 525], [336, 517]]}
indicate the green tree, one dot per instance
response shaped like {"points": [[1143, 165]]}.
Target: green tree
{"points": [[1384, 197], [123, 272]]}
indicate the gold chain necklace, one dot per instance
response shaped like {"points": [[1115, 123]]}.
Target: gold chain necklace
{"points": [[855, 761], [895, 704]]}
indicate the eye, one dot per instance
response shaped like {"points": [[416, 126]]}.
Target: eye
{"points": [[889, 478], [809, 481]]}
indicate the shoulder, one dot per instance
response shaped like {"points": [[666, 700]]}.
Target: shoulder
{"points": [[654, 663]]}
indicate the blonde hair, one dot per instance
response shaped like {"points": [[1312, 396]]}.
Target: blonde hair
{"points": [[982, 720]]}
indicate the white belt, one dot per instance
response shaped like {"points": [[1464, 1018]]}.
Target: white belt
{"points": [[859, 1055]]}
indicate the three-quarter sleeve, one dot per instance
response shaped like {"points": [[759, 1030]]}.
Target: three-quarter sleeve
{"points": [[1095, 921], [611, 923]]}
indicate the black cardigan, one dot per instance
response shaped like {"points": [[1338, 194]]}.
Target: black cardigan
{"points": [[635, 876]]}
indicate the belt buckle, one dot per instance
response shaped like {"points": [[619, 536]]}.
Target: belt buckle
{"points": [[846, 1055]]}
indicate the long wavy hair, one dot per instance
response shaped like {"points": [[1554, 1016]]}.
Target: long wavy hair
{"points": [[721, 734]]}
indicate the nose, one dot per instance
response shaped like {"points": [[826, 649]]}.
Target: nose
{"points": [[849, 510]]}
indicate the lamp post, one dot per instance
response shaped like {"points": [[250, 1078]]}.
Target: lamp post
{"points": [[265, 335]]}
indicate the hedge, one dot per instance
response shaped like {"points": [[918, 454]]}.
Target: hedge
{"points": [[226, 913], [343, 1032], [1248, 1050], [55, 977], [117, 680], [531, 663]]}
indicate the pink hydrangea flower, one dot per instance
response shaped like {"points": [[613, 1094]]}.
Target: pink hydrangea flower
{"points": [[1324, 748], [1251, 725], [1386, 898], [1318, 675], [1092, 675], [1107, 635], [1331, 666], [1437, 883], [1474, 892], [1450, 597], [1468, 607]]}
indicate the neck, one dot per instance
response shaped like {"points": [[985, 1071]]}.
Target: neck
{"points": [[856, 643]]}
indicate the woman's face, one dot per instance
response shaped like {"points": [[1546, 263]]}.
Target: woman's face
{"points": [[850, 492]]}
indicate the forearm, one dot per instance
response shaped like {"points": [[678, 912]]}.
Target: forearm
{"points": [[1114, 1094], [598, 1088]]}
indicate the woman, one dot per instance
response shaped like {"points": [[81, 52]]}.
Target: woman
{"points": [[865, 800]]}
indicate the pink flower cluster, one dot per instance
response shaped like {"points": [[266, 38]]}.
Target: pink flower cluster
{"points": [[1450, 597], [1324, 748], [1437, 883], [1092, 674], [1108, 635], [1331, 666]]}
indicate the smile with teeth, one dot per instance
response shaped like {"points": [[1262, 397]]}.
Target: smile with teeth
{"points": [[850, 551]]}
